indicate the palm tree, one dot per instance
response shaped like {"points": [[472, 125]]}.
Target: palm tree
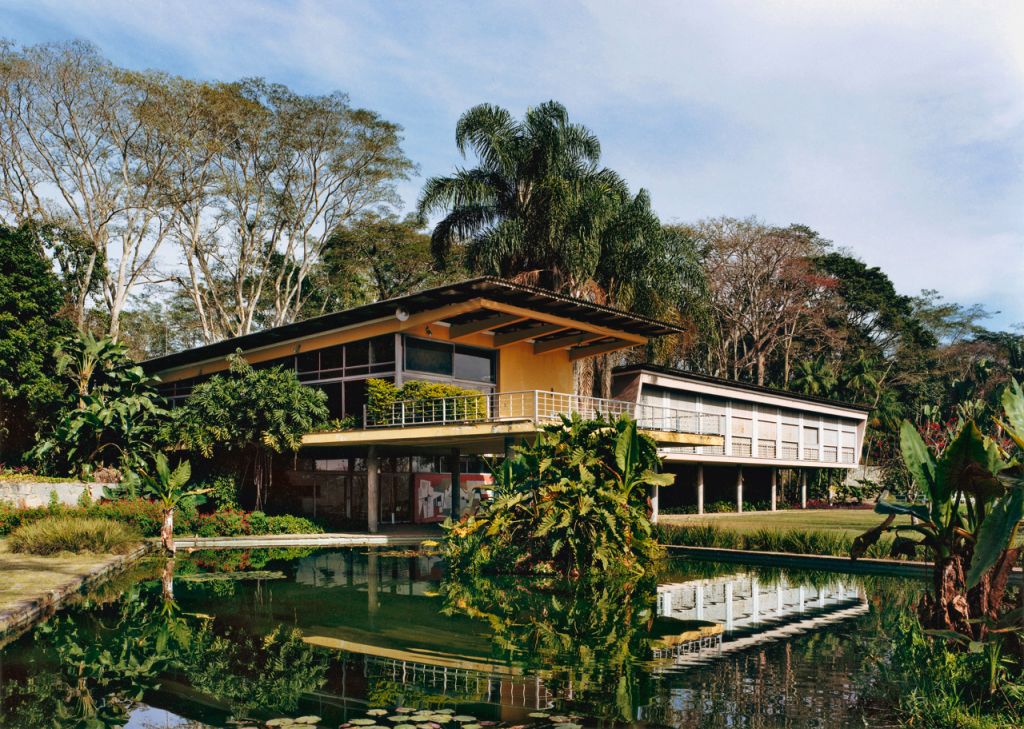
{"points": [[814, 377], [538, 208], [537, 205]]}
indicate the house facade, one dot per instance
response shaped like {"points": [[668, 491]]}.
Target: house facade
{"points": [[769, 436], [511, 348]]}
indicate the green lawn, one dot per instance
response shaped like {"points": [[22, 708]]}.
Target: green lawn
{"points": [[852, 521]]}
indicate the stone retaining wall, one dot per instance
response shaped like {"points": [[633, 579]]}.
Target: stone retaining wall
{"points": [[26, 494]]}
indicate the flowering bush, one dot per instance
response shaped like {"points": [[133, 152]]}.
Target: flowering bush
{"points": [[146, 516]]}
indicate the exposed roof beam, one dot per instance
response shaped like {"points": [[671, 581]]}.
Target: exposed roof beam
{"points": [[457, 331], [502, 339], [548, 345], [568, 322], [599, 348]]}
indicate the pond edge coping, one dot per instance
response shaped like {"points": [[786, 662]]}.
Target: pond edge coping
{"points": [[831, 562], [354, 539], [24, 613]]}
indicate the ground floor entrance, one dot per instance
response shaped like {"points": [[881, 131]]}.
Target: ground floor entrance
{"points": [[410, 489]]}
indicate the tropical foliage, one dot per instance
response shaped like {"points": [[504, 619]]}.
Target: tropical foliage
{"points": [[168, 488], [574, 501], [246, 416], [417, 402], [31, 326], [968, 525], [114, 415]]}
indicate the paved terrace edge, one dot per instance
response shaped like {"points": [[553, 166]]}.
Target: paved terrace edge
{"points": [[24, 613]]}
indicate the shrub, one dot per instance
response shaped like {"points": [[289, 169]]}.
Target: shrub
{"points": [[141, 514], [288, 524], [73, 534], [223, 491], [224, 523], [574, 500], [382, 395]]}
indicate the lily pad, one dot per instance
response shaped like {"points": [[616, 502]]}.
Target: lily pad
{"points": [[376, 712], [539, 715], [308, 719], [405, 726], [462, 718], [362, 722], [568, 725]]}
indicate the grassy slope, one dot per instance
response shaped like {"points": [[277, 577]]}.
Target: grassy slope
{"points": [[851, 521], [26, 576]]}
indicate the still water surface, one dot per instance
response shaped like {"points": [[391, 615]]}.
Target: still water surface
{"points": [[234, 639]]}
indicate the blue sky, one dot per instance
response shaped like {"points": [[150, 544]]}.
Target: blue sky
{"points": [[895, 129]]}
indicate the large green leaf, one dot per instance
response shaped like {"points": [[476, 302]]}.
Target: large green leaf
{"points": [[627, 449], [902, 507], [964, 465], [918, 459], [995, 533], [1013, 406]]}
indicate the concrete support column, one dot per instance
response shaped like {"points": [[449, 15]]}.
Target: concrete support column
{"points": [[739, 489], [700, 489], [372, 489], [456, 468], [775, 488], [803, 489], [654, 504]]}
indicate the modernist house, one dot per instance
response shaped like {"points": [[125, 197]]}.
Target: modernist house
{"points": [[764, 432], [514, 348]]}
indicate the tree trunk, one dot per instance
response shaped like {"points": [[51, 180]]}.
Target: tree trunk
{"points": [[167, 531], [947, 608], [167, 580]]}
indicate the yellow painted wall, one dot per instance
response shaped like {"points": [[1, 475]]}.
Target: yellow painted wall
{"points": [[520, 369]]}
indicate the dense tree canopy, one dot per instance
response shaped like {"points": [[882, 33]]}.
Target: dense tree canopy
{"points": [[31, 325]]}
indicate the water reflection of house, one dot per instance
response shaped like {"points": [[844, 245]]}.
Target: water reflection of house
{"points": [[515, 348], [753, 611]]}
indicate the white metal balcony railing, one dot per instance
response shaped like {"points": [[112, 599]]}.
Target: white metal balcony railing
{"points": [[540, 406], [537, 406]]}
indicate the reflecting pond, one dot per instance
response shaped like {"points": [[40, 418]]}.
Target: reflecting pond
{"points": [[358, 638]]}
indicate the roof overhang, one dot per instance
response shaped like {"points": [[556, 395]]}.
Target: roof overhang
{"points": [[509, 311]]}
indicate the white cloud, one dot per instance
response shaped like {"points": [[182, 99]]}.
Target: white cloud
{"points": [[897, 129]]}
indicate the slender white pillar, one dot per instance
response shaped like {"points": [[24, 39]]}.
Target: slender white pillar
{"points": [[739, 490], [372, 489], [654, 504], [700, 488], [775, 486], [728, 606], [803, 489]]}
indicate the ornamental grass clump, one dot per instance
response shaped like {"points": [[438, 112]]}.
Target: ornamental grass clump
{"points": [[575, 500], [53, 535]]}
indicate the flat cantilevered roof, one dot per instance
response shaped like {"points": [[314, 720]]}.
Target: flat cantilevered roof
{"points": [[485, 287]]}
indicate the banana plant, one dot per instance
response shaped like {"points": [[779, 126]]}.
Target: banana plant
{"points": [[170, 488], [969, 522], [573, 501]]}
